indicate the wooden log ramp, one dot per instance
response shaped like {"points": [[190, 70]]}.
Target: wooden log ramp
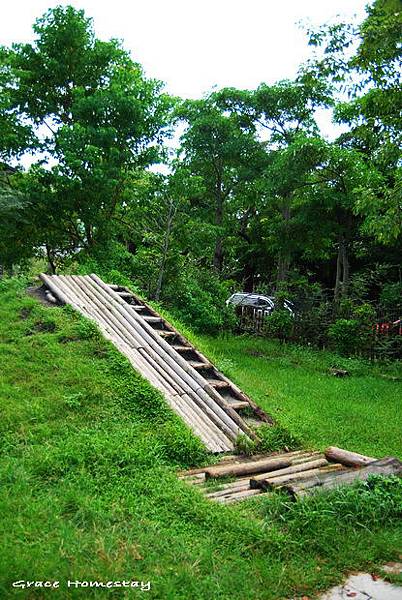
{"points": [[210, 404], [298, 473]]}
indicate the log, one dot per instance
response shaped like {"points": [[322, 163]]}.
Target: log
{"points": [[295, 456], [270, 483], [258, 480], [140, 329], [383, 467], [236, 486], [211, 438], [54, 289], [177, 358], [349, 459], [238, 496], [269, 464], [51, 297]]}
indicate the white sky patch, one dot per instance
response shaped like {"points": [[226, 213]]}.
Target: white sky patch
{"points": [[195, 46]]}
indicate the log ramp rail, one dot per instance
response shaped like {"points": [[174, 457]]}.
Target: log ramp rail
{"points": [[298, 473], [210, 404]]}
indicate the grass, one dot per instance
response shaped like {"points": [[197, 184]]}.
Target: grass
{"points": [[360, 412], [88, 489]]}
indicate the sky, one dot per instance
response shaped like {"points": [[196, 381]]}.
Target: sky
{"points": [[195, 45]]}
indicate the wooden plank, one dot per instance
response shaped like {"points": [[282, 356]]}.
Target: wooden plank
{"points": [[218, 383], [199, 365], [238, 404], [150, 319]]}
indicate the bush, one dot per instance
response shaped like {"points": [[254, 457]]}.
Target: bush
{"points": [[279, 325], [344, 335], [391, 298], [198, 298]]}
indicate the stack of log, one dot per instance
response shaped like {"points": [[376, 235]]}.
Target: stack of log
{"points": [[188, 393], [298, 473]]}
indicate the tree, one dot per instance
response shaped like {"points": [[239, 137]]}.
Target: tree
{"points": [[365, 62], [284, 115], [224, 156], [95, 117]]}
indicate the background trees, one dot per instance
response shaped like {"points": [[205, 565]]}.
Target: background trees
{"points": [[252, 195]]}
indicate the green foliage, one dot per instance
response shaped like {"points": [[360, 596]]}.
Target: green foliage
{"points": [[344, 335], [377, 500], [391, 297], [279, 324], [103, 120], [198, 299], [245, 445]]}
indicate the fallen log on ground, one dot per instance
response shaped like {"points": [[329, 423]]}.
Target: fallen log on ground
{"points": [[235, 470], [349, 459], [266, 480], [237, 496], [383, 467]]}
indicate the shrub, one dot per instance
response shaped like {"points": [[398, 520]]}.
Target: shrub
{"points": [[344, 335], [198, 298], [279, 325]]}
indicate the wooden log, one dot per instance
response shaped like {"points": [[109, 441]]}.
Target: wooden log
{"points": [[177, 358], [238, 496], [308, 465], [347, 458], [54, 288], [192, 418], [124, 315], [235, 486], [383, 467], [51, 297], [300, 472], [224, 444], [241, 458], [268, 464]]}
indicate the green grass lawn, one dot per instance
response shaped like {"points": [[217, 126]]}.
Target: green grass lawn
{"points": [[89, 453], [360, 412]]}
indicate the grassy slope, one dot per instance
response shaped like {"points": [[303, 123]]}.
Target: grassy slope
{"points": [[88, 487]]}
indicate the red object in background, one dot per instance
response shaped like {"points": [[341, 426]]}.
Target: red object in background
{"points": [[385, 328]]}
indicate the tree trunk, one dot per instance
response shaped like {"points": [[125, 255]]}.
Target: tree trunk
{"points": [[131, 247], [342, 270], [283, 268], [248, 276], [50, 260], [165, 250], [284, 254], [218, 253]]}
